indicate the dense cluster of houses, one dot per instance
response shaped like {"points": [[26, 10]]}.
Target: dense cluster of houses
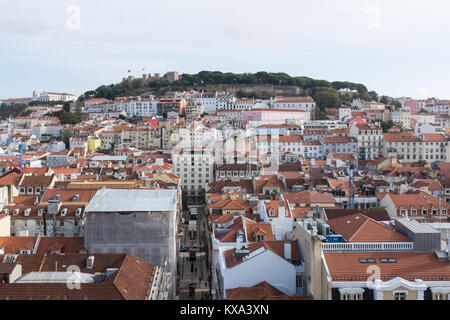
{"points": [[297, 208]]}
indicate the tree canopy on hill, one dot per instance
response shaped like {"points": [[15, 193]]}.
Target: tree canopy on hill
{"points": [[13, 110], [160, 86]]}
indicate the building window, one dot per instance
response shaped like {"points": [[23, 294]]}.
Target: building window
{"points": [[299, 281], [400, 295], [346, 296], [438, 296]]}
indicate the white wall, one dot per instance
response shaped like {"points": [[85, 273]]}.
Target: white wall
{"points": [[266, 266], [5, 226]]}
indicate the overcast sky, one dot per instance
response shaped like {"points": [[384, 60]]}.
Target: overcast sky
{"points": [[398, 48]]}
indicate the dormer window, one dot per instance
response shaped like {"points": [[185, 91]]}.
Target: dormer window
{"points": [[271, 213]]}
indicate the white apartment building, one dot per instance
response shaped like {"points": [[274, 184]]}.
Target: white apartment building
{"points": [[194, 109], [402, 117], [244, 103], [141, 107], [344, 112], [324, 124], [408, 147], [298, 103], [195, 166], [370, 140], [213, 101], [438, 108], [110, 138], [443, 121], [193, 135], [340, 144], [421, 118], [57, 96], [362, 104], [78, 142]]}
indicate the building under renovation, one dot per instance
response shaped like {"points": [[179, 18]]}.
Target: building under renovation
{"points": [[140, 222]]}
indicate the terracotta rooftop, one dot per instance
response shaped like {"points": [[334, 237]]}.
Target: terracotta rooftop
{"points": [[376, 214], [132, 280], [360, 228], [36, 181], [261, 291], [346, 266], [308, 197]]}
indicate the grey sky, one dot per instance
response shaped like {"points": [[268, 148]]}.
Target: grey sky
{"points": [[393, 47]]}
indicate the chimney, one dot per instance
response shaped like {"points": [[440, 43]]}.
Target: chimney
{"points": [[90, 262], [287, 251]]}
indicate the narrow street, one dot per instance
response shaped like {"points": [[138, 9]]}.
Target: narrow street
{"points": [[193, 282]]}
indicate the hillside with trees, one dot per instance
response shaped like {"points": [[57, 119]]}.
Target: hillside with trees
{"points": [[325, 93], [13, 110], [204, 78]]}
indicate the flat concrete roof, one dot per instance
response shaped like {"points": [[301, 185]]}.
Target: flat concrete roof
{"points": [[415, 226], [129, 200]]}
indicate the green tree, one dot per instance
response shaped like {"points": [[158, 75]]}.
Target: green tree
{"points": [[66, 134], [397, 105], [327, 99], [69, 118], [373, 95], [66, 106], [11, 110], [384, 100], [386, 125], [319, 114]]}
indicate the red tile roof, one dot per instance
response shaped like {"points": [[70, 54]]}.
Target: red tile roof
{"points": [[345, 266], [132, 281], [13, 245], [360, 228], [308, 197], [261, 291]]}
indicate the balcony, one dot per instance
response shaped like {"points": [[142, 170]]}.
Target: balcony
{"points": [[368, 246]]}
